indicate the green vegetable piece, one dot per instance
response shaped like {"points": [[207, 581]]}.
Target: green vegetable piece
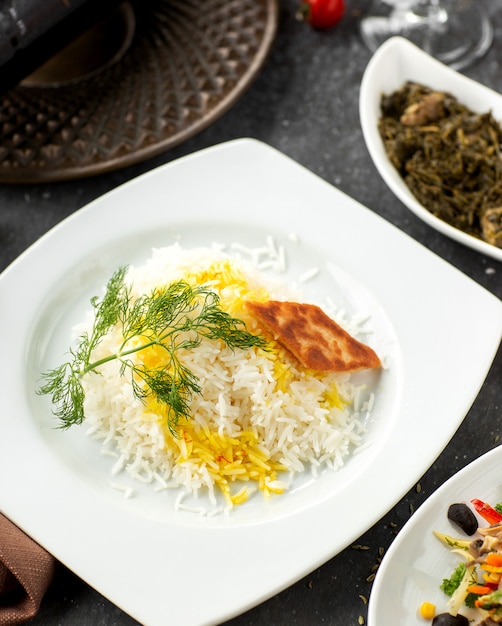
{"points": [[450, 584]]}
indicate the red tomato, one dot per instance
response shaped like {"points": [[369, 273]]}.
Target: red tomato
{"points": [[322, 13]]}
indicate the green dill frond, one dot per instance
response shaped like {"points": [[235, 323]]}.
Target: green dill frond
{"points": [[63, 384], [174, 318], [113, 305]]}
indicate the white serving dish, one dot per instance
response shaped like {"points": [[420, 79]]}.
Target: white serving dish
{"points": [[416, 563], [394, 63]]}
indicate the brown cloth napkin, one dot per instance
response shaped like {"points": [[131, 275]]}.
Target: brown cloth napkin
{"points": [[26, 570]]}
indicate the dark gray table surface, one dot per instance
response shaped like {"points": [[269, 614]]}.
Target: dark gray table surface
{"points": [[304, 103]]}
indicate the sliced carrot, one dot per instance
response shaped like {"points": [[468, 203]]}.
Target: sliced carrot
{"points": [[494, 558], [479, 590]]}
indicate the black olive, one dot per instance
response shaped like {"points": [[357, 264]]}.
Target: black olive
{"points": [[446, 619], [461, 515]]}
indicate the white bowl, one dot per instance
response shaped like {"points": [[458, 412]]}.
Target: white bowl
{"points": [[394, 63]]}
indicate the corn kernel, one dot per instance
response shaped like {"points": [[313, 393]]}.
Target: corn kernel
{"points": [[427, 610]]}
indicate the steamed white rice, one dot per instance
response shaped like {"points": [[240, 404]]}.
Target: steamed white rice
{"points": [[261, 418]]}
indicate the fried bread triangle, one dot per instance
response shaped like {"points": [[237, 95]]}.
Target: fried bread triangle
{"points": [[316, 340]]}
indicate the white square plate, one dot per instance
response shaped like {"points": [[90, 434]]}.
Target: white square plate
{"points": [[147, 558]]}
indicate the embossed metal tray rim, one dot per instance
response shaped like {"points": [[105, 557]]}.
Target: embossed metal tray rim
{"points": [[188, 63]]}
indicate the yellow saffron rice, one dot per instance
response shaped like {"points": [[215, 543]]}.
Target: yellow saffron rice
{"points": [[261, 417]]}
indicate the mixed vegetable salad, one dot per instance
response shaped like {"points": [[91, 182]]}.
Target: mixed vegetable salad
{"points": [[476, 583]]}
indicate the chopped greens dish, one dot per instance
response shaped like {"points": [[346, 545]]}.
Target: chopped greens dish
{"points": [[448, 156]]}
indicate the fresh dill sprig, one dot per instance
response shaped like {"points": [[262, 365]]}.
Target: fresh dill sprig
{"points": [[173, 318]]}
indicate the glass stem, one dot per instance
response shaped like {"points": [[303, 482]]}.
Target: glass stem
{"points": [[429, 13]]}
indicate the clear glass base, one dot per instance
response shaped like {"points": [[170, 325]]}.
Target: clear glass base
{"points": [[456, 32]]}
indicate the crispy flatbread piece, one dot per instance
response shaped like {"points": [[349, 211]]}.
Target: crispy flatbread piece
{"points": [[316, 340]]}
